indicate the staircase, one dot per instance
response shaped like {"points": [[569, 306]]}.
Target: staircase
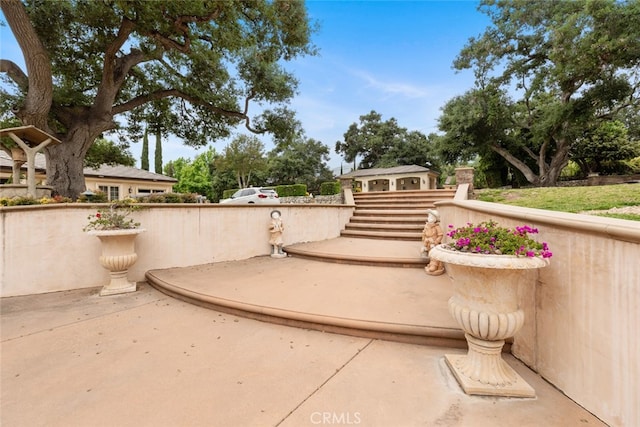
{"points": [[398, 215], [376, 287]]}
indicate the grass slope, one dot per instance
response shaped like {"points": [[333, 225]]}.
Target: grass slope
{"points": [[569, 199]]}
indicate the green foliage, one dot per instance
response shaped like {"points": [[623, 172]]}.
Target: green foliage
{"points": [[244, 156], [384, 144], [291, 190], [158, 153], [190, 67], [628, 217], [567, 199], [569, 66], [107, 152], [603, 148], [169, 198], [98, 197], [330, 188], [144, 159], [19, 201], [300, 160], [115, 217], [633, 165], [194, 177], [571, 171]]}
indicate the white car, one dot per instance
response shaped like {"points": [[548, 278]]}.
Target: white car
{"points": [[253, 195]]}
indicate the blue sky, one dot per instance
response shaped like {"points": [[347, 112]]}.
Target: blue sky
{"points": [[394, 57]]}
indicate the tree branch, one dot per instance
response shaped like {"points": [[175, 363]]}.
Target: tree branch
{"points": [[15, 73], [141, 100], [40, 83]]}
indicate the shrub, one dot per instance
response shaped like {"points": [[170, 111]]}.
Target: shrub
{"points": [[330, 188], [172, 198], [23, 200], [189, 197], [98, 197], [169, 198], [291, 190]]}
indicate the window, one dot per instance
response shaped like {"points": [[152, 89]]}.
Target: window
{"points": [[113, 193]]}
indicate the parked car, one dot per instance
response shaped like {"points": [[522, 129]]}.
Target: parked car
{"points": [[253, 195]]}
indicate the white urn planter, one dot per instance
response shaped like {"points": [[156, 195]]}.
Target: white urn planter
{"points": [[118, 255], [485, 305]]}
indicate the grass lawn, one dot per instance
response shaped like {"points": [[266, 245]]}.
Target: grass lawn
{"points": [[569, 199]]}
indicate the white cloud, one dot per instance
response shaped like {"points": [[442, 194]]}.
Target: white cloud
{"points": [[392, 88]]}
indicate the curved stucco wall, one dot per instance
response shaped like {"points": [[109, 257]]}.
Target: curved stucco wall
{"points": [[44, 248], [583, 315]]}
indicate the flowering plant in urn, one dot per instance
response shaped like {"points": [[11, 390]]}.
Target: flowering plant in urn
{"points": [[117, 233], [487, 265], [116, 217], [490, 238]]}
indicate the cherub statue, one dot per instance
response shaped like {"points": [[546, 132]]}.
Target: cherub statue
{"points": [[432, 235], [276, 228]]}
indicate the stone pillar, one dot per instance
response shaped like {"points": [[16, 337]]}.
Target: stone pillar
{"points": [[346, 190], [345, 183], [465, 176]]}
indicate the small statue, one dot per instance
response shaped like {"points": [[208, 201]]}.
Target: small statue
{"points": [[432, 235], [276, 228]]}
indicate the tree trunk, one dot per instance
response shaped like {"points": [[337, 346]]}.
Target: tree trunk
{"points": [[37, 103], [65, 162]]}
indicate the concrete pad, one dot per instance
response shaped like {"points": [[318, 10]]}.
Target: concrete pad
{"points": [[168, 363], [394, 384]]}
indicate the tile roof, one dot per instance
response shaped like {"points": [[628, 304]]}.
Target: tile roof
{"points": [[126, 172], [397, 170], [116, 171]]}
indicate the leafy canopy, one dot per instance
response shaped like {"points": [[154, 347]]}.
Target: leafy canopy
{"points": [[191, 67], [384, 144], [544, 71]]}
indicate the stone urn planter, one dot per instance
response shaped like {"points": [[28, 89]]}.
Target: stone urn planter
{"points": [[118, 255], [485, 305]]}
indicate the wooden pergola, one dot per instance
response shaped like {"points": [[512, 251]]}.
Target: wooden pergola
{"points": [[30, 140]]}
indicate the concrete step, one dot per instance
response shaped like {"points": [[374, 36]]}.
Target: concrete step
{"points": [[384, 235], [418, 227], [366, 219], [362, 251], [410, 214], [387, 207], [371, 301]]}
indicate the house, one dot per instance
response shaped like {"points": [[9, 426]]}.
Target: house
{"points": [[116, 181], [399, 178]]}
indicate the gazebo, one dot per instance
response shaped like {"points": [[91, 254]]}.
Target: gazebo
{"points": [[30, 140]]}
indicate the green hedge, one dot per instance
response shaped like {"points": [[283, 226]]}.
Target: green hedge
{"points": [[169, 198], [291, 190], [330, 188]]}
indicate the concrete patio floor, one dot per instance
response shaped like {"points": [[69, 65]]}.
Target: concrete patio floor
{"points": [[146, 359]]}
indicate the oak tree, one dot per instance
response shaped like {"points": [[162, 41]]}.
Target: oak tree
{"points": [[545, 71], [91, 64]]}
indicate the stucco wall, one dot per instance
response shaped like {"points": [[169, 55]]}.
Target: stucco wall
{"points": [[425, 181], [44, 248], [583, 315]]}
